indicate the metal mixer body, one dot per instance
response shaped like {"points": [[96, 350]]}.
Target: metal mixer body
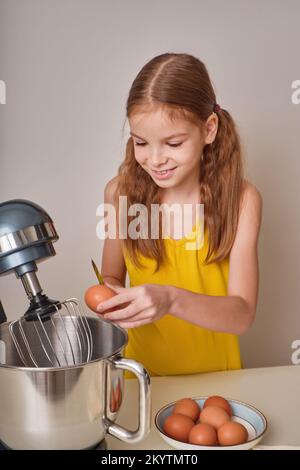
{"points": [[69, 407], [61, 372]]}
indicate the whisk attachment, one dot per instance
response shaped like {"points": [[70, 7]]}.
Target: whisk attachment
{"points": [[40, 305], [60, 339]]}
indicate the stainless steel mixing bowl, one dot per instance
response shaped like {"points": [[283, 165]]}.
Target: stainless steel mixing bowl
{"points": [[71, 407]]}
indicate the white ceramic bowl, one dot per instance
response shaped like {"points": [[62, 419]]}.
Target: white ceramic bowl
{"points": [[253, 420]]}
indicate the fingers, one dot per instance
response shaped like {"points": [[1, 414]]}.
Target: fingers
{"points": [[144, 315], [114, 301], [124, 295], [122, 313]]}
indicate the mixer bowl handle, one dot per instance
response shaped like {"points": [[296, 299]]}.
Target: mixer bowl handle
{"points": [[144, 403]]}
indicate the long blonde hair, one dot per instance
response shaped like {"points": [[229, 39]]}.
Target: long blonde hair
{"points": [[180, 84]]}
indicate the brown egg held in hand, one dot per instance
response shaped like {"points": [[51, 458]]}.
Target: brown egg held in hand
{"points": [[94, 295], [232, 433], [203, 435], [214, 416], [216, 400], [178, 427], [187, 407]]}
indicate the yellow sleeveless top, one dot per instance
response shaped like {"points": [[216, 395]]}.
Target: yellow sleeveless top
{"points": [[172, 346]]}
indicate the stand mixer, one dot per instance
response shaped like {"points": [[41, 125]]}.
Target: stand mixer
{"points": [[60, 370], [50, 333]]}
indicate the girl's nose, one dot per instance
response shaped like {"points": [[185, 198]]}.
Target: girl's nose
{"points": [[157, 159]]}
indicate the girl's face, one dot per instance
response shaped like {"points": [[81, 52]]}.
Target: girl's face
{"points": [[169, 151]]}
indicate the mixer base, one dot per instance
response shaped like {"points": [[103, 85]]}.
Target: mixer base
{"points": [[101, 446]]}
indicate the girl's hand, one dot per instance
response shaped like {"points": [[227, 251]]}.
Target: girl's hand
{"points": [[145, 304]]}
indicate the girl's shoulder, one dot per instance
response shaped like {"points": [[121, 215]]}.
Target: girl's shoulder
{"points": [[250, 213], [110, 189], [250, 195]]}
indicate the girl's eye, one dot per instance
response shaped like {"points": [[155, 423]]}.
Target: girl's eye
{"points": [[171, 145]]}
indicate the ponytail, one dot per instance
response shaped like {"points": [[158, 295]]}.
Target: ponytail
{"points": [[221, 185]]}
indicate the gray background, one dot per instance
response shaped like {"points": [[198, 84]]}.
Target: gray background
{"points": [[68, 66]]}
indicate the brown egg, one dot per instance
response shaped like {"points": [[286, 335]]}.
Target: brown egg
{"points": [[94, 295], [187, 407], [203, 435], [215, 400], [232, 433], [214, 416], [178, 427]]}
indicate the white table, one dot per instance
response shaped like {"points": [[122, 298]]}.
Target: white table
{"points": [[273, 390]]}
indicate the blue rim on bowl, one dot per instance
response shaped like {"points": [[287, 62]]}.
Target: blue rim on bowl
{"points": [[254, 421]]}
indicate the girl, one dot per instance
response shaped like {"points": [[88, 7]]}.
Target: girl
{"points": [[185, 308]]}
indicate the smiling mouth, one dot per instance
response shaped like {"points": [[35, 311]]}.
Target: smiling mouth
{"points": [[163, 172]]}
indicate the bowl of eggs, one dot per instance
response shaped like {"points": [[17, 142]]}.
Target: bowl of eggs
{"points": [[210, 423]]}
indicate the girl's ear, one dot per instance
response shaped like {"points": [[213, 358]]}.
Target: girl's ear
{"points": [[211, 128]]}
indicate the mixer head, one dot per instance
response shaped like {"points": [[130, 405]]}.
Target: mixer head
{"points": [[51, 333], [27, 234]]}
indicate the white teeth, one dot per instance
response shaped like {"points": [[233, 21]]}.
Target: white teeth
{"points": [[163, 172]]}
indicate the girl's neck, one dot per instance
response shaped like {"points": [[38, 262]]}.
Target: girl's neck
{"points": [[175, 195]]}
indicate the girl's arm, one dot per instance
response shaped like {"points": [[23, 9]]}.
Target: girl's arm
{"points": [[113, 268], [232, 313], [235, 312]]}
